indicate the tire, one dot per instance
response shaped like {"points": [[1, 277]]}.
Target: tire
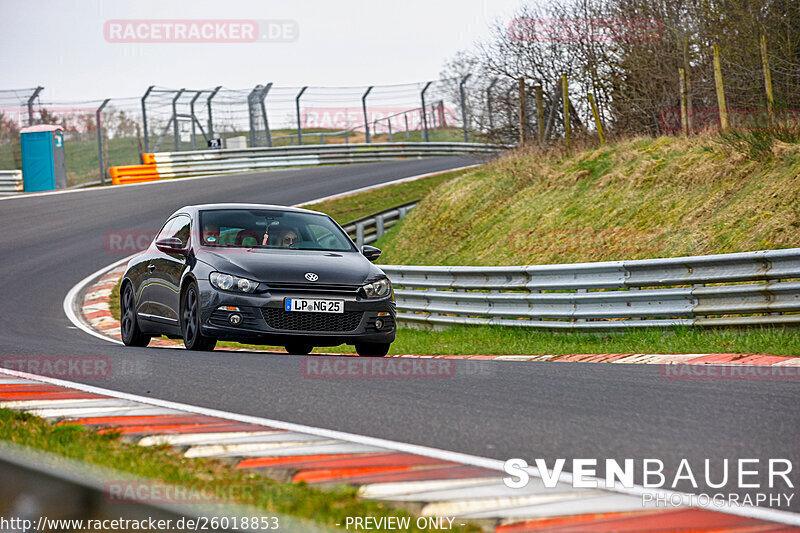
{"points": [[373, 349], [129, 327], [193, 339], [299, 348]]}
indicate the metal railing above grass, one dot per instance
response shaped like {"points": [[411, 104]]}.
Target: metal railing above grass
{"points": [[739, 289]]}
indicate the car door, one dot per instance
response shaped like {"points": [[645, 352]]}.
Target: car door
{"points": [[162, 289]]}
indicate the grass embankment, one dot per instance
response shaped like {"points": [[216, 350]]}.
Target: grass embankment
{"points": [[164, 464], [636, 199]]}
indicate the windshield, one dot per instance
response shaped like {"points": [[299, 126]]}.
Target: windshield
{"points": [[270, 228]]}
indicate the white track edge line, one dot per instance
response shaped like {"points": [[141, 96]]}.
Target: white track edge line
{"points": [[768, 514]]}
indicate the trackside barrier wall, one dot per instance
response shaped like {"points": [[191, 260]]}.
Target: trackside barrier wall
{"points": [[749, 288], [211, 162], [10, 181]]}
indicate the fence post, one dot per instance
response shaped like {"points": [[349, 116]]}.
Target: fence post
{"points": [[597, 122], [191, 112], [297, 107], [464, 106], [252, 98], [144, 118], [424, 112], [175, 129], [565, 101], [684, 109], [210, 117], [688, 85], [723, 110], [489, 103], [408, 134], [767, 78], [33, 97], [539, 112], [100, 140], [263, 105], [521, 82], [364, 109], [391, 137]]}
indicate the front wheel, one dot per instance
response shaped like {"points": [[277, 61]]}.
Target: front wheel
{"points": [[193, 339], [129, 328], [373, 349]]}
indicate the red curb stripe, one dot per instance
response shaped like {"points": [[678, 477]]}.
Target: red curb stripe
{"points": [[50, 396], [211, 428], [30, 387], [290, 460], [675, 520], [152, 420], [341, 474], [461, 472], [375, 460]]}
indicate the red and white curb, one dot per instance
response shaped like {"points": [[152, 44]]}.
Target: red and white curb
{"points": [[437, 482]]}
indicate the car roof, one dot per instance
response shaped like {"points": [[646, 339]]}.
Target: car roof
{"points": [[208, 207]]}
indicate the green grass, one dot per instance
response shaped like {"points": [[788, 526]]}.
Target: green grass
{"points": [[636, 199], [165, 464], [358, 205]]}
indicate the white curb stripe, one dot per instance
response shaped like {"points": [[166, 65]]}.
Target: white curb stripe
{"points": [[196, 438]]}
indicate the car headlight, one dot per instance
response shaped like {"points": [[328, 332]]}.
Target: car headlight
{"points": [[378, 289], [227, 282]]}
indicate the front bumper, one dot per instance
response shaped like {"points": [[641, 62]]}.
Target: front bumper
{"points": [[264, 320]]}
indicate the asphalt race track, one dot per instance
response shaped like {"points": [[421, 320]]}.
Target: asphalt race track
{"points": [[491, 409]]}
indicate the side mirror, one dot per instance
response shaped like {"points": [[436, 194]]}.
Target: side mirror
{"points": [[370, 252], [171, 245]]}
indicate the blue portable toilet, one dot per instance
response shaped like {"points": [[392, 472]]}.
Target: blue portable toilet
{"points": [[43, 165]]}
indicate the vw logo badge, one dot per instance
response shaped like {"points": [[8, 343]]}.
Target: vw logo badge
{"points": [[310, 276]]}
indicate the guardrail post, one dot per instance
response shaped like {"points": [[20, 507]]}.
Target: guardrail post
{"points": [[100, 140], [379, 226], [144, 118], [175, 128], [360, 234], [297, 107], [464, 106], [424, 118], [210, 116], [33, 97], [364, 109]]}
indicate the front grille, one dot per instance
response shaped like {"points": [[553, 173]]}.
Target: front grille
{"points": [[297, 321], [313, 287]]}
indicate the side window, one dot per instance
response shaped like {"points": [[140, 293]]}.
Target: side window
{"points": [[164, 232], [179, 229]]}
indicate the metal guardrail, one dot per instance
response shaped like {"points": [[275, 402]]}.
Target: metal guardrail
{"points": [[208, 162], [11, 181], [749, 288], [41, 486], [368, 229]]}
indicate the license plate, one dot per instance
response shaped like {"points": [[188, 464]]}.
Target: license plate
{"points": [[313, 306]]}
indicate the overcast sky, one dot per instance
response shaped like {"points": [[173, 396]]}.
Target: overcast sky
{"points": [[61, 45]]}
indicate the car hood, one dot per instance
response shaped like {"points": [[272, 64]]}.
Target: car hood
{"points": [[291, 266]]}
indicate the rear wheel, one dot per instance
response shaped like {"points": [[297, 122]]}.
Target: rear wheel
{"points": [[193, 339], [373, 349], [299, 348], [129, 328]]}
